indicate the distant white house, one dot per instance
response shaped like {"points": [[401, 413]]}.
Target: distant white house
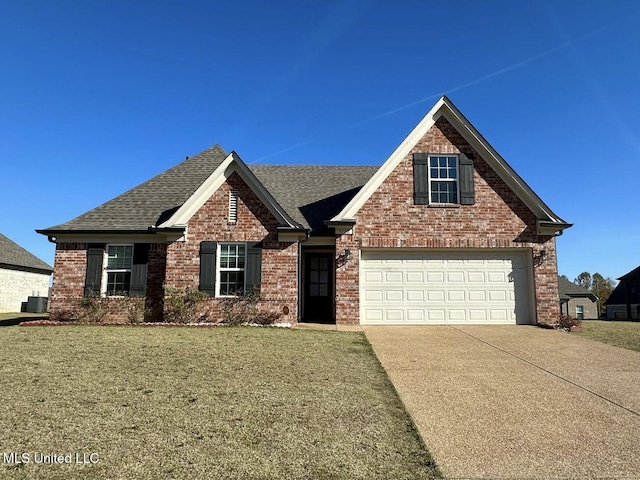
{"points": [[22, 275]]}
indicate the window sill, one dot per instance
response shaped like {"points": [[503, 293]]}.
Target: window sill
{"points": [[443, 205]]}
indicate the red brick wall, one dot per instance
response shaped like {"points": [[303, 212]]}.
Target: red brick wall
{"points": [[497, 220], [254, 222], [67, 288], [178, 264]]}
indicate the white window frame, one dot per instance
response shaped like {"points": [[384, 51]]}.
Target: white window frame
{"points": [[233, 206], [452, 180], [581, 312], [227, 269], [106, 270]]}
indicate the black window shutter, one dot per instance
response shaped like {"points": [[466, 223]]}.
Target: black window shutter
{"points": [[93, 274], [421, 178], [253, 268], [467, 189], [138, 286], [208, 267]]}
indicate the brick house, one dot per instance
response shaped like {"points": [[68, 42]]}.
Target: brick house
{"points": [[576, 301], [22, 276], [444, 231]]}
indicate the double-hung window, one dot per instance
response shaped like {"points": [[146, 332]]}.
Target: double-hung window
{"points": [[231, 269], [443, 179], [117, 273], [579, 312]]}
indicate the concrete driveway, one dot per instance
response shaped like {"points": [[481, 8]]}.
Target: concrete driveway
{"points": [[517, 402]]}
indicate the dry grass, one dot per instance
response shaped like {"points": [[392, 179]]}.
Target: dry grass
{"points": [[203, 403], [621, 334]]}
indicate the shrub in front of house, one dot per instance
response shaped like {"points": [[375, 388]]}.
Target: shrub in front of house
{"points": [[567, 323], [246, 309]]}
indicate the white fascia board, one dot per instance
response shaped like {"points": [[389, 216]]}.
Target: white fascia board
{"points": [[444, 107], [348, 213], [499, 164], [263, 194], [233, 163], [189, 208]]}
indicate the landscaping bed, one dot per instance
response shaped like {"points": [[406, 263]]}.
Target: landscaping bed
{"points": [[202, 403]]}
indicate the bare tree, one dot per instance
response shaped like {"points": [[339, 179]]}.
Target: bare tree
{"points": [[602, 288]]}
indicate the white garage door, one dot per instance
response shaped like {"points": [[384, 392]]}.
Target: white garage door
{"points": [[456, 287]]}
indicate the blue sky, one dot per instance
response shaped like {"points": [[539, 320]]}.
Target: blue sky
{"points": [[96, 97]]}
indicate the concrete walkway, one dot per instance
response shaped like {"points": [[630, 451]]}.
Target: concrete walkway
{"points": [[517, 402]]}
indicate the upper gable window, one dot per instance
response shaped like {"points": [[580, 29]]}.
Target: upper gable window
{"points": [[443, 179]]}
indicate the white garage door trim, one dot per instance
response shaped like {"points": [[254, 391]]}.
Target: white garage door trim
{"points": [[442, 287]]}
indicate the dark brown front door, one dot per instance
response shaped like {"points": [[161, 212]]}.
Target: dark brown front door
{"points": [[318, 287]]}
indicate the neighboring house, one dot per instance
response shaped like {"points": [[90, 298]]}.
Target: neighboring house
{"points": [[576, 301], [443, 232], [624, 301], [22, 275]]}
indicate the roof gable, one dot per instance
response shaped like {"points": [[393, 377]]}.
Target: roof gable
{"points": [[232, 164], [548, 222], [13, 255]]}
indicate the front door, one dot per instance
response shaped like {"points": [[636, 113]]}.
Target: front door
{"points": [[318, 289]]}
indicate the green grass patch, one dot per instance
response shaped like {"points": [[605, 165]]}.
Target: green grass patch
{"points": [[200, 403], [620, 334]]}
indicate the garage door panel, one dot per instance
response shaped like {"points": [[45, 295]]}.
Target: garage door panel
{"points": [[475, 277], [498, 296], [373, 295], [394, 296], [393, 277], [477, 296], [435, 295], [455, 277], [394, 315], [415, 296], [430, 287], [372, 277], [434, 277], [455, 296], [415, 277]]}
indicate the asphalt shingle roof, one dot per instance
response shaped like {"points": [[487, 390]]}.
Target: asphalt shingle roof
{"points": [[568, 289], [14, 255], [633, 275], [312, 194], [151, 202], [309, 194]]}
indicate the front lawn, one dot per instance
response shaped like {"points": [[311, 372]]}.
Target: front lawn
{"points": [[621, 334], [161, 402]]}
